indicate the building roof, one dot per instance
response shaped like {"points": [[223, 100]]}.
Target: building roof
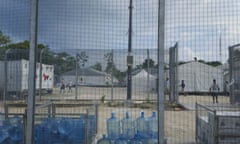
{"points": [[85, 71], [152, 71]]}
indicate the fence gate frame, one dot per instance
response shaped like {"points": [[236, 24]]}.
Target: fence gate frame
{"points": [[234, 92], [173, 73]]}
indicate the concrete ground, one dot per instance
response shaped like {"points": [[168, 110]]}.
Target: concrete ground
{"points": [[179, 124]]}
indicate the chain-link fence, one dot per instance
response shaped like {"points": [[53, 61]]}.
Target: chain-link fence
{"points": [[109, 53]]}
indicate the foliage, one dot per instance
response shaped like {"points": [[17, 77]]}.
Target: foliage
{"points": [[4, 39], [181, 62], [214, 63], [97, 66], [145, 65], [148, 62], [110, 64], [62, 61], [111, 67], [211, 63], [102, 99], [82, 58]]}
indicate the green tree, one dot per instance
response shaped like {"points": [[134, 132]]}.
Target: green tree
{"points": [[146, 62], [82, 58], [181, 62], [62, 61], [4, 40], [110, 65], [211, 63], [97, 66], [214, 63]]}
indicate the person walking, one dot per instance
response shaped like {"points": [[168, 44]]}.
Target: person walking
{"points": [[70, 86], [166, 88], [214, 90], [183, 86]]}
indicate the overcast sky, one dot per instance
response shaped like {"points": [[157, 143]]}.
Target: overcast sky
{"points": [[103, 24]]}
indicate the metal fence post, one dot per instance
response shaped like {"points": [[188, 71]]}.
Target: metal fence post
{"points": [[96, 114], [32, 73], [161, 26], [215, 125], [24, 125], [6, 110], [6, 83], [86, 127], [129, 72], [196, 124]]}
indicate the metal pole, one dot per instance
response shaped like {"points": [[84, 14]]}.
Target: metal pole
{"points": [[196, 124], [148, 74], [76, 80], [220, 54], [40, 74], [32, 73], [231, 77], [176, 71], [112, 77], [129, 87], [171, 74], [161, 22], [6, 82]]}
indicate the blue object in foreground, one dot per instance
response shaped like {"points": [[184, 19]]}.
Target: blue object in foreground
{"points": [[65, 126], [103, 140], [137, 139], [3, 134], [127, 127], [153, 126], [142, 126], [78, 130], [121, 141], [113, 127]]}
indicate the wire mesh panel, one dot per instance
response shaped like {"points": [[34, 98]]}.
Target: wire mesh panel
{"points": [[65, 123], [107, 53], [203, 30], [81, 57], [234, 73], [217, 124]]}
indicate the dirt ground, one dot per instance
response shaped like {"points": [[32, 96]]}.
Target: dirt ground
{"points": [[179, 124]]}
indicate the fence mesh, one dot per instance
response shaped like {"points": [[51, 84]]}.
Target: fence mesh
{"points": [[81, 61]]}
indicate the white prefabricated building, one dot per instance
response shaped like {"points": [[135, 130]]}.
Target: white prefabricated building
{"points": [[144, 81], [198, 77], [17, 76]]}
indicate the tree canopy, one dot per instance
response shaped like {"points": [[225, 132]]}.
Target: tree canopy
{"points": [[62, 61], [97, 66]]}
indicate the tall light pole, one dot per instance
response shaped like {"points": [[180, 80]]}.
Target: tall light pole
{"points": [[129, 57]]}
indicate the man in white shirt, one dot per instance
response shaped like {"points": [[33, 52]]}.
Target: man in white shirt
{"points": [[214, 89]]}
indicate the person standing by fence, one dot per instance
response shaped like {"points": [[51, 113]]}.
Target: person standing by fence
{"points": [[62, 87], [214, 90], [183, 86]]}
